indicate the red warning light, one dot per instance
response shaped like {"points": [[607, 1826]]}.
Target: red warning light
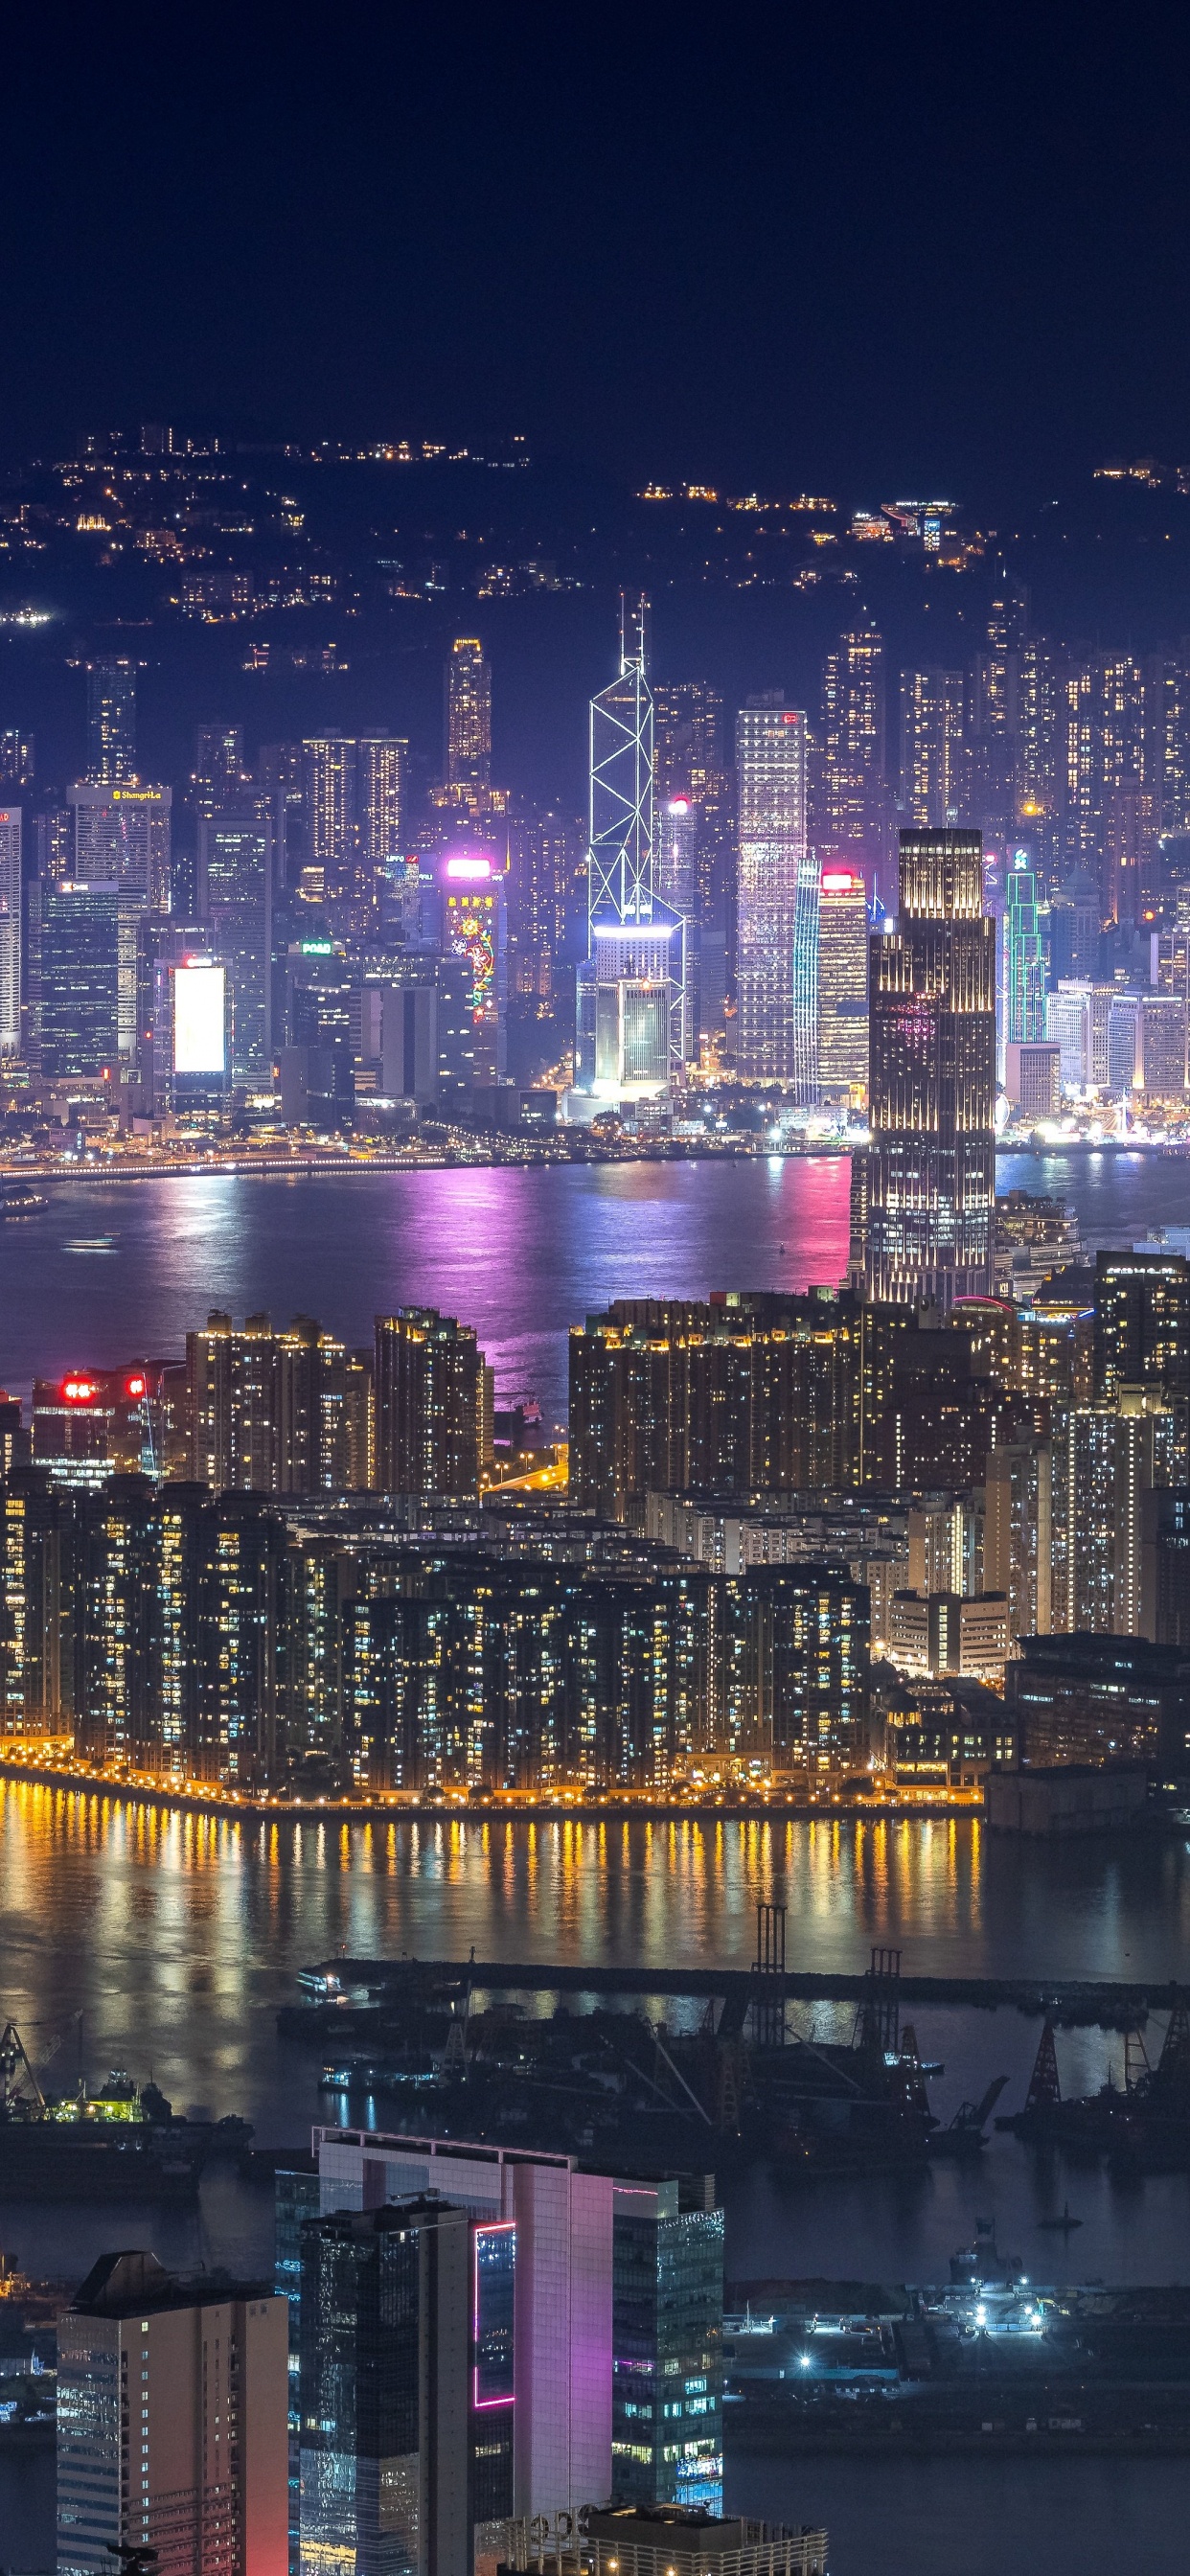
{"points": [[134, 1386]]}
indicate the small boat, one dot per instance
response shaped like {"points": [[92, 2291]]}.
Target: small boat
{"points": [[1060, 2226]]}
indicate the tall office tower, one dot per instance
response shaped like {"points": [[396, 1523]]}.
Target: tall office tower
{"points": [[474, 927], [53, 842], [1163, 1045], [330, 794], [218, 776], [281, 774], [932, 1079], [1018, 1541], [75, 938], [852, 822], [620, 864], [1116, 1452], [933, 748], [687, 739], [1024, 958], [429, 1394], [382, 797], [387, 2430], [182, 1020], [1103, 748], [171, 2423], [11, 909], [561, 2278], [111, 721], [1039, 769], [630, 991], [675, 882], [1067, 1026], [17, 754], [236, 874], [122, 834], [777, 902], [551, 887], [468, 715], [1142, 1323], [667, 2366], [995, 714], [1074, 929], [842, 982]]}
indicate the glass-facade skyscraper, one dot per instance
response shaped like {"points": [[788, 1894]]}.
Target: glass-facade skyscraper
{"points": [[10, 929], [667, 2371], [468, 714], [932, 1076], [777, 936], [111, 721], [236, 867], [1024, 956]]}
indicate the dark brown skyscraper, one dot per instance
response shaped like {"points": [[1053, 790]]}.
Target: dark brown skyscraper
{"points": [[932, 1034]]}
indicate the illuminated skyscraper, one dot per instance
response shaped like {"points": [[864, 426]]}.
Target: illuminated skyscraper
{"points": [[932, 1051], [218, 775], [853, 749], [842, 981], [111, 721], [932, 747], [778, 902], [468, 714], [629, 1035], [16, 759], [122, 833], [235, 898], [10, 929], [76, 940], [1024, 957], [675, 878], [621, 812]]}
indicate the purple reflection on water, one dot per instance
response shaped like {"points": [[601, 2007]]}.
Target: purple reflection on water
{"points": [[108, 1275]]}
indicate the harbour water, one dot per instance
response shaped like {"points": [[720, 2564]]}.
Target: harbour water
{"points": [[103, 1275]]}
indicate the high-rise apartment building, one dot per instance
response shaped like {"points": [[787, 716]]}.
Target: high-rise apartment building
{"points": [[330, 791], [383, 797], [277, 1412], [11, 911], [1018, 1543], [111, 721], [1142, 1323], [1117, 1451], [236, 871], [933, 748], [171, 2424], [842, 982], [777, 904], [388, 2425], [430, 1398], [932, 1074], [468, 714]]}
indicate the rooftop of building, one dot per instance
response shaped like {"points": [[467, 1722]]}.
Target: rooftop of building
{"points": [[133, 2283]]}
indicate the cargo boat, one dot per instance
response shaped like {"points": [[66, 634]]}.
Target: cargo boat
{"points": [[120, 2143]]}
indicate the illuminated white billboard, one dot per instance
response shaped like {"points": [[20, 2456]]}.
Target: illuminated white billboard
{"points": [[200, 1044]]}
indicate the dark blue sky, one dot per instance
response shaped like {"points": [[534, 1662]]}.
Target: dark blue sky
{"points": [[854, 246]]}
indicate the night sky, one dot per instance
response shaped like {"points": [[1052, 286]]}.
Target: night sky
{"points": [[848, 249]]}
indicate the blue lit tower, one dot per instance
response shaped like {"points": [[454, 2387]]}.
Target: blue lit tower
{"points": [[1024, 956]]}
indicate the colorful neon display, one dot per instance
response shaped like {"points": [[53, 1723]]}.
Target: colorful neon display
{"points": [[471, 928], [493, 2293]]}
